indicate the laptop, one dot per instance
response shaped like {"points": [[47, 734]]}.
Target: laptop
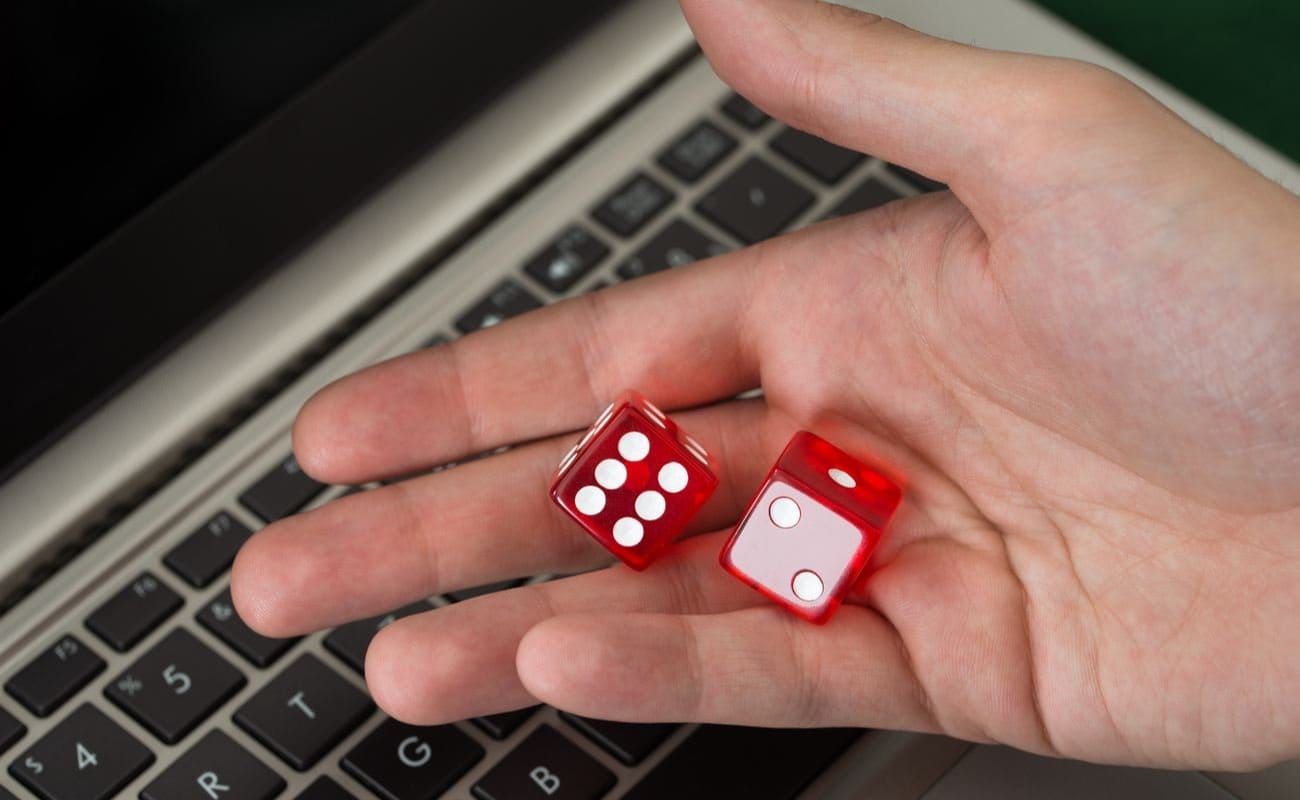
{"points": [[228, 205]]}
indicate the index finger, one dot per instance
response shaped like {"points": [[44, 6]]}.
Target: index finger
{"points": [[676, 336]]}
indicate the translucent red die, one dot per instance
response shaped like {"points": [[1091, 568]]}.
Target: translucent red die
{"points": [[634, 480], [812, 526]]}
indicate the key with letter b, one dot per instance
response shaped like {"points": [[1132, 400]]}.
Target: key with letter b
{"points": [[545, 765]]}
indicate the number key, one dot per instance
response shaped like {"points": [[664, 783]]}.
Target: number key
{"points": [[129, 616], [350, 642], [175, 685], [11, 730], [55, 675], [87, 756], [219, 617]]}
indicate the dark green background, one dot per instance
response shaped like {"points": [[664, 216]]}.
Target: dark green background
{"points": [[1238, 57]]}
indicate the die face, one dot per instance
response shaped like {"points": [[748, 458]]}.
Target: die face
{"points": [[632, 483], [797, 550], [854, 489]]}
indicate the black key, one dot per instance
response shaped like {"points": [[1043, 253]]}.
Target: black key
{"points": [[55, 675], [508, 300], [174, 686], [676, 245], [818, 157], [87, 756], [324, 788], [919, 181], [350, 642], [546, 765], [634, 204], [216, 768], [563, 262], [402, 762], [696, 152], [435, 340], [744, 112], [281, 492], [11, 730], [500, 726], [219, 616], [629, 742], [754, 763], [868, 194], [4, 794], [755, 202], [209, 551], [304, 712], [487, 588], [131, 614]]}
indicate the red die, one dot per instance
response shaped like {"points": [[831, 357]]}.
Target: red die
{"points": [[812, 527], [634, 480]]}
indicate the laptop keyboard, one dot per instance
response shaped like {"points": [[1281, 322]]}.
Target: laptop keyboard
{"points": [[731, 178]]}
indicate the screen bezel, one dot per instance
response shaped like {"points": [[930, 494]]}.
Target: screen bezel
{"points": [[143, 290]]}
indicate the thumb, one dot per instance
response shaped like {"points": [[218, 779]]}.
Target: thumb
{"points": [[949, 111]]}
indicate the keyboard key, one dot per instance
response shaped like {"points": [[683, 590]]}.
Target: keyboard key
{"points": [[174, 686], [868, 194], [500, 726], [216, 768], [304, 712], [917, 180], [697, 152], [744, 112], [629, 742], [281, 492], [133, 613], [634, 204], [676, 245], [324, 788], [87, 756], [563, 262], [546, 765], [508, 300], [11, 730], [54, 676], [818, 157], [487, 588], [220, 617], [350, 642], [209, 551], [5, 795], [754, 763], [402, 762], [755, 202]]}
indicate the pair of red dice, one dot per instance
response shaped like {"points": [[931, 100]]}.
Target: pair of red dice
{"points": [[636, 479]]}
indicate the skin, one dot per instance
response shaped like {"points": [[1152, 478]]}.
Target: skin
{"points": [[1084, 358]]}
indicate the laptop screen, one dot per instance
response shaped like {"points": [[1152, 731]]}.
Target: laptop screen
{"points": [[166, 156]]}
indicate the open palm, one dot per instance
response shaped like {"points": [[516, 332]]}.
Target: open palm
{"points": [[1084, 357]]}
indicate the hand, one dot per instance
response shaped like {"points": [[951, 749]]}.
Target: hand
{"points": [[1084, 357]]}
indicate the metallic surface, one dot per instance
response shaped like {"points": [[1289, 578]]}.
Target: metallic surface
{"points": [[365, 253]]}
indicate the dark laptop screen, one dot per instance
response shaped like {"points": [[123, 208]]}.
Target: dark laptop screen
{"points": [[162, 157]]}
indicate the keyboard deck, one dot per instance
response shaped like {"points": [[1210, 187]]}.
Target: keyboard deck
{"points": [[153, 687]]}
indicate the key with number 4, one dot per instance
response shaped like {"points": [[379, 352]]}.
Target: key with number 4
{"points": [[87, 756]]}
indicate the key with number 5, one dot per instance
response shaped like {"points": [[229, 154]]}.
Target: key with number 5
{"points": [[175, 685]]}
